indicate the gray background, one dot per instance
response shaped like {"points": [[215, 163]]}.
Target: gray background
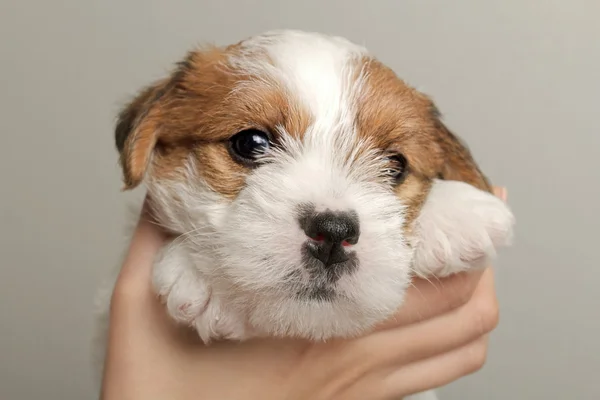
{"points": [[519, 80]]}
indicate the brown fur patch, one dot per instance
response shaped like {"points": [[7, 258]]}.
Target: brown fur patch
{"points": [[399, 119], [196, 114]]}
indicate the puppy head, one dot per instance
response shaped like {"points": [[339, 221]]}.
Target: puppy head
{"points": [[310, 175]]}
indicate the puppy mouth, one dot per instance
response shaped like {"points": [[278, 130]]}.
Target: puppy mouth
{"points": [[329, 272], [317, 293], [317, 282]]}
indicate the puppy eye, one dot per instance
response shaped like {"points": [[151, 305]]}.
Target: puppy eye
{"points": [[398, 167], [250, 144]]}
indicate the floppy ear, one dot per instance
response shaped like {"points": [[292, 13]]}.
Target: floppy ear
{"points": [[458, 164], [462, 223], [136, 131]]}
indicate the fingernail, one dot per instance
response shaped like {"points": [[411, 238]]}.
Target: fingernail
{"points": [[503, 194]]}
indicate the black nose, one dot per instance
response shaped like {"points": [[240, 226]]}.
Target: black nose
{"points": [[335, 228], [329, 233]]}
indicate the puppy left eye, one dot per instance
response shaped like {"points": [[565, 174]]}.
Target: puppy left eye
{"points": [[398, 167], [249, 144]]}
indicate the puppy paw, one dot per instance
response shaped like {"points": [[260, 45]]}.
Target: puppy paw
{"points": [[220, 323], [460, 227], [189, 299]]}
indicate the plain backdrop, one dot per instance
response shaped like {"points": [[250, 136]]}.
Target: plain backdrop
{"points": [[518, 80]]}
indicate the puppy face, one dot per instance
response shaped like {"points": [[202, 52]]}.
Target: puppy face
{"points": [[298, 166]]}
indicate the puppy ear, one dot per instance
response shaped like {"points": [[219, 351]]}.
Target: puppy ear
{"points": [[458, 163], [459, 228], [136, 131]]}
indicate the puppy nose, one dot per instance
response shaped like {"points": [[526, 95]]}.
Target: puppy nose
{"points": [[334, 228], [329, 233]]}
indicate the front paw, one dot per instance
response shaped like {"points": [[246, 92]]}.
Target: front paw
{"points": [[190, 301], [180, 287], [459, 228], [220, 323], [187, 299]]}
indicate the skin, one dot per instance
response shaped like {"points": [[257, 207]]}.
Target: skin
{"points": [[439, 335]]}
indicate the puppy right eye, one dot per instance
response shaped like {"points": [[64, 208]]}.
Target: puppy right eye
{"points": [[248, 145]]}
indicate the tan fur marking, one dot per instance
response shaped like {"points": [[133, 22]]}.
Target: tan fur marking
{"points": [[399, 119], [206, 103]]}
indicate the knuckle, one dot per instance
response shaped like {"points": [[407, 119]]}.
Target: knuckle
{"points": [[465, 282], [476, 356], [486, 315]]}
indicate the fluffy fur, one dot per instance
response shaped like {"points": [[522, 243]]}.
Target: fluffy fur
{"points": [[236, 269]]}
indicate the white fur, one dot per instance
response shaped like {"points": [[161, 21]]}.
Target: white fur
{"points": [[314, 68], [317, 71], [250, 256], [236, 267], [459, 228]]}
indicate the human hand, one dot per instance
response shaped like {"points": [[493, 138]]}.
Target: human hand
{"points": [[438, 336]]}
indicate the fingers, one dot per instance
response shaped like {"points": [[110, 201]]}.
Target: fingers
{"points": [[429, 298], [437, 335], [437, 371]]}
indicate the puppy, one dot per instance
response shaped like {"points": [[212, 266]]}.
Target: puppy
{"points": [[306, 184]]}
